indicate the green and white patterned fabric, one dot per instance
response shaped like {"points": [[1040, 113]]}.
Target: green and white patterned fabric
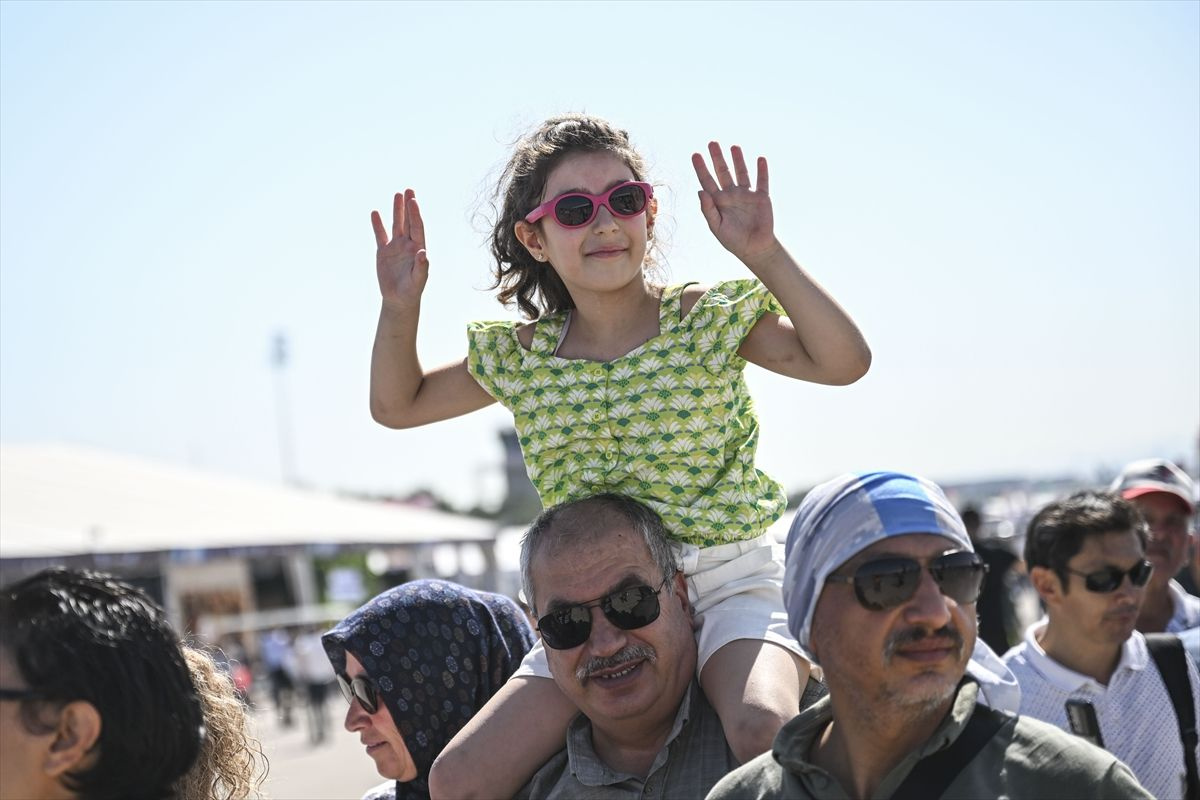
{"points": [[670, 423]]}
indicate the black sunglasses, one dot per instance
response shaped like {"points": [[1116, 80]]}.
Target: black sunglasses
{"points": [[1106, 580], [628, 609], [887, 582], [361, 689], [18, 694]]}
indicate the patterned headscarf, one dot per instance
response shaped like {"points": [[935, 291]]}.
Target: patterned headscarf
{"points": [[846, 515], [437, 652]]}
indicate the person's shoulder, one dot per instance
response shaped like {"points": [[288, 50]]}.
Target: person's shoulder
{"points": [[761, 777], [1064, 759], [384, 791]]}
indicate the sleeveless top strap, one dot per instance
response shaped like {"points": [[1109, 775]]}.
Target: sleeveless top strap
{"points": [[547, 333], [670, 306]]}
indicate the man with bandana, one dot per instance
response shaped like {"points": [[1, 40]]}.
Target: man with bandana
{"points": [[880, 589]]}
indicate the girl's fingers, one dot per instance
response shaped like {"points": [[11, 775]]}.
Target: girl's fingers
{"points": [[416, 226], [724, 178], [763, 184], [381, 237], [739, 167], [706, 179], [397, 216]]}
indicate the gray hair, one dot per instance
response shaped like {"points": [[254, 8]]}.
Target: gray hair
{"points": [[582, 520]]}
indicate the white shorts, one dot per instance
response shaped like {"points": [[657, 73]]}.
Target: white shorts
{"points": [[736, 591]]}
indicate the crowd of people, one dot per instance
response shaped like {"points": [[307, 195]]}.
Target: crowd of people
{"points": [[671, 647], [101, 699]]}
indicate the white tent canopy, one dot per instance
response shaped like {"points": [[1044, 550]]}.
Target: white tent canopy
{"points": [[58, 500]]}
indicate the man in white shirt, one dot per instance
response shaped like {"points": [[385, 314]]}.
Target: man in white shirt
{"points": [[1086, 558], [1166, 497]]}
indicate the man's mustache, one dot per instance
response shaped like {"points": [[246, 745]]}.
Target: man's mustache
{"points": [[633, 652], [947, 633]]}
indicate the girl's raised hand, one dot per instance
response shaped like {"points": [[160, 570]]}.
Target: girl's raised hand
{"points": [[738, 214], [401, 262]]}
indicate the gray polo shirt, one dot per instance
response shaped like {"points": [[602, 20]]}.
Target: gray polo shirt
{"points": [[694, 758], [1026, 758]]}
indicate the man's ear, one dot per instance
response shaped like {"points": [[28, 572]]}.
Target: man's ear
{"points": [[531, 238], [679, 588], [77, 732], [1048, 585]]}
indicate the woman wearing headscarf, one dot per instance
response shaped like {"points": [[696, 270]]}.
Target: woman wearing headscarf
{"points": [[416, 663]]}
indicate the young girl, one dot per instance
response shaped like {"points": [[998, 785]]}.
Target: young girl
{"points": [[619, 384]]}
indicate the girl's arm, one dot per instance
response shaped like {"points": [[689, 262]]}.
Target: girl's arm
{"points": [[817, 341], [403, 395]]}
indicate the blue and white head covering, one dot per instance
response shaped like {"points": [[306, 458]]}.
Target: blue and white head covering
{"points": [[842, 517], [437, 652]]}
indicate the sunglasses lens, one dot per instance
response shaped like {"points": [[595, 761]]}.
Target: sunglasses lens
{"points": [[365, 692], [566, 628], [627, 200], [573, 211], [359, 689], [631, 608], [1104, 580], [886, 583], [960, 576], [1141, 573]]}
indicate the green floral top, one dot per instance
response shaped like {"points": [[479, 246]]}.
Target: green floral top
{"points": [[670, 423]]}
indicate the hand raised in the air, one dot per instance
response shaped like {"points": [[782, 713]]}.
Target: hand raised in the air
{"points": [[738, 214], [401, 263]]}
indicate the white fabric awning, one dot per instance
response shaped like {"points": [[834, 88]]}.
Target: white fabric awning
{"points": [[58, 500]]}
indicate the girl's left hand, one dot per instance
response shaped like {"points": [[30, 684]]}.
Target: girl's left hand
{"points": [[738, 215]]}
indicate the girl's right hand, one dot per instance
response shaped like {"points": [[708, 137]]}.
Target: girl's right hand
{"points": [[401, 263]]}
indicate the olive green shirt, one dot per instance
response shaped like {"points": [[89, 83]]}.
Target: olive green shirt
{"points": [[1026, 758]]}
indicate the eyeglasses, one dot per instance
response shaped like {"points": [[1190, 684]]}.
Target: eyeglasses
{"points": [[1106, 580], [576, 209], [361, 689], [628, 609], [18, 694], [888, 582]]}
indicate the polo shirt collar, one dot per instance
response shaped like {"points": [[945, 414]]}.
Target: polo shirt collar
{"points": [[587, 767], [1134, 656]]}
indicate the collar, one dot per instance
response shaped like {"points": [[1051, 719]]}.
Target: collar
{"points": [[796, 738], [1134, 656], [587, 767], [1186, 608]]}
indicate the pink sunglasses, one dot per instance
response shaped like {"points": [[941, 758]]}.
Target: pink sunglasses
{"points": [[576, 209]]}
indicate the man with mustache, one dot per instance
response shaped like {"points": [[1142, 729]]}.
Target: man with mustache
{"points": [[613, 612], [1166, 498], [1087, 560], [880, 589]]}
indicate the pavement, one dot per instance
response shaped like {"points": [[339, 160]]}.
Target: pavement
{"points": [[336, 769]]}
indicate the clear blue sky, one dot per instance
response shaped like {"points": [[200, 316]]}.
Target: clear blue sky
{"points": [[1004, 195]]}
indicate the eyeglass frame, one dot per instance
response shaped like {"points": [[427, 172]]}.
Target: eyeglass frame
{"points": [[1144, 564], [598, 603], [926, 566], [548, 208]]}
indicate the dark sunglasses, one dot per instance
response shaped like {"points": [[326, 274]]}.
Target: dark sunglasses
{"points": [[628, 609], [361, 689], [18, 694], [1106, 580], [576, 209], [888, 582]]}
